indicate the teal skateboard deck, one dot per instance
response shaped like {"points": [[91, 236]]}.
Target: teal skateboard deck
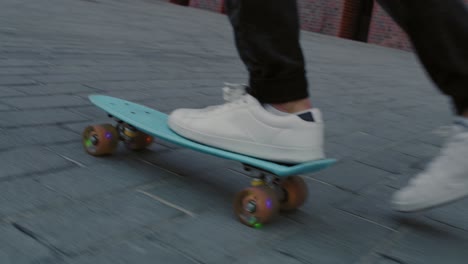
{"points": [[154, 123]]}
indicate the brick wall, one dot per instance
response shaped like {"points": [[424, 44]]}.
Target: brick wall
{"points": [[337, 18], [214, 5], [322, 16], [385, 32]]}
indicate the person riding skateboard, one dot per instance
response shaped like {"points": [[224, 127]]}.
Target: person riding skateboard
{"points": [[273, 118]]}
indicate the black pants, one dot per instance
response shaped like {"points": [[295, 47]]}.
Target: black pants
{"points": [[267, 38]]}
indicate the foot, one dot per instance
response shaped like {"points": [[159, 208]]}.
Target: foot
{"points": [[244, 126], [444, 181]]}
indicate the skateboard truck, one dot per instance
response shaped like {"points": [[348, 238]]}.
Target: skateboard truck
{"points": [[274, 186], [264, 178], [254, 172], [126, 131], [260, 175]]}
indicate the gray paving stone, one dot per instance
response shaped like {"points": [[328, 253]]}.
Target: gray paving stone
{"points": [[333, 238], [344, 126], [194, 162], [68, 69], [92, 112], [387, 260], [389, 131], [15, 80], [16, 247], [43, 135], [78, 227], [386, 116], [197, 196], [219, 231], [131, 95], [362, 141], [265, 257], [374, 206], [172, 92], [29, 160], [128, 76], [351, 175], [38, 117], [69, 88], [26, 194], [170, 104], [51, 101], [58, 78], [84, 183], [177, 86], [9, 91], [211, 91], [430, 242], [434, 137], [428, 117], [322, 198], [117, 85], [69, 62], [341, 152], [161, 105], [5, 107], [417, 149], [76, 152], [141, 251], [98, 118], [455, 214], [398, 181], [392, 161], [18, 71], [355, 109], [13, 62], [207, 100]]}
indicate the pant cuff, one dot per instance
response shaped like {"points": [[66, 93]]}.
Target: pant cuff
{"points": [[277, 91]]}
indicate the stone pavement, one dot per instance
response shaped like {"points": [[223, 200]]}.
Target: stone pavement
{"points": [[384, 118]]}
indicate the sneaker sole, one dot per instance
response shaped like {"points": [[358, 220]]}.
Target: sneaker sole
{"points": [[264, 154]]}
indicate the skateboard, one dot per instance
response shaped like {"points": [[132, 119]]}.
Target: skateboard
{"points": [[275, 187]]}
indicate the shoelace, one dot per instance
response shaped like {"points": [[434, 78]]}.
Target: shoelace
{"points": [[233, 91], [233, 95]]}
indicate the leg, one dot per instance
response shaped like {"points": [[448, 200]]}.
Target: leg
{"points": [[439, 33], [267, 38]]}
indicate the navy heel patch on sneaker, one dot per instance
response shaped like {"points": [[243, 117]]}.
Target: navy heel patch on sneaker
{"points": [[307, 116]]}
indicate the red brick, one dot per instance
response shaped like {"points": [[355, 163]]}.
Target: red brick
{"points": [[337, 18], [322, 16], [385, 32], [213, 5]]}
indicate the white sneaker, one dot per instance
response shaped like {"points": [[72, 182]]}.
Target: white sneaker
{"points": [[445, 180], [243, 125]]}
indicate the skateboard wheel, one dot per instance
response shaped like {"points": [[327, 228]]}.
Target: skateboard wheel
{"points": [[99, 140], [134, 139], [255, 206], [295, 191]]}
